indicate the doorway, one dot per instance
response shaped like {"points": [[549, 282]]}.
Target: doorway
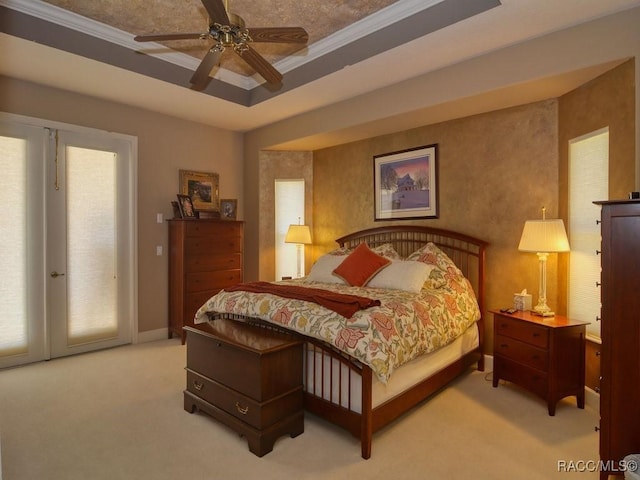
{"points": [[67, 275]]}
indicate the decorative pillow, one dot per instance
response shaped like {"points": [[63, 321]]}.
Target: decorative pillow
{"points": [[385, 250], [360, 266], [431, 254], [322, 270], [406, 275]]}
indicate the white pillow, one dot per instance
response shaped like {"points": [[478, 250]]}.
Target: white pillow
{"points": [[402, 275], [322, 270]]}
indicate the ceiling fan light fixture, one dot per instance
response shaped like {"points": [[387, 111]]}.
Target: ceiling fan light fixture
{"points": [[229, 30]]}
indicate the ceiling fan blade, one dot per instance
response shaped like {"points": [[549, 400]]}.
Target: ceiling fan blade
{"points": [[201, 77], [216, 11], [279, 34], [167, 36], [260, 65]]}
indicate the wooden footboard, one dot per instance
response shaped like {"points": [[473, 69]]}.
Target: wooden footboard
{"points": [[339, 388], [334, 401]]}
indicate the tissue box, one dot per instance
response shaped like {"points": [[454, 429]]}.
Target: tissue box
{"points": [[522, 301]]}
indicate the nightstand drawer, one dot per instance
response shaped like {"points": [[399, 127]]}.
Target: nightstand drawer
{"points": [[521, 352], [258, 415], [533, 380], [524, 331]]}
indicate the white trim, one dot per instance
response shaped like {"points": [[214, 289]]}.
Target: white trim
{"points": [[133, 191], [382, 18]]}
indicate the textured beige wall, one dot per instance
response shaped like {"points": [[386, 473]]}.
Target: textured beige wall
{"points": [[496, 170], [607, 101], [165, 145], [281, 165]]}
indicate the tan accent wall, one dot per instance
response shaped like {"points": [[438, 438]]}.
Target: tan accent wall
{"points": [[281, 165], [607, 101], [165, 145], [496, 170]]}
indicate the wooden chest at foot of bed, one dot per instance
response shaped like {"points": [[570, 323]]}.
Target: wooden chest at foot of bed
{"points": [[248, 378]]}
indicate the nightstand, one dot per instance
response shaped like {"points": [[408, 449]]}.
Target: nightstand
{"points": [[545, 355]]}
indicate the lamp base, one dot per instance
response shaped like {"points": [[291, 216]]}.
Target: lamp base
{"points": [[543, 313]]}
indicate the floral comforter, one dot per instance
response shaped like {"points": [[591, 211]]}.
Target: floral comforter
{"points": [[385, 337]]}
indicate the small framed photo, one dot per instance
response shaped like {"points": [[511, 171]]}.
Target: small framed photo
{"points": [[186, 206], [228, 209]]}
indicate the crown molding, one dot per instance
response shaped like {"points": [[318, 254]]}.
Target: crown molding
{"points": [[382, 18]]}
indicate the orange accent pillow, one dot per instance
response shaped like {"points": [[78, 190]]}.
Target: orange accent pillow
{"points": [[360, 266]]}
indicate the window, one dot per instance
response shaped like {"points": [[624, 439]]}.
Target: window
{"points": [[289, 209], [588, 181]]}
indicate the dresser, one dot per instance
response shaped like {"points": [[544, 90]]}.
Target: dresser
{"points": [[205, 256], [248, 378], [620, 332], [545, 355]]}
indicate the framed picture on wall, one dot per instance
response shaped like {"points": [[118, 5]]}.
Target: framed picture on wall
{"points": [[203, 188], [405, 184], [228, 209]]}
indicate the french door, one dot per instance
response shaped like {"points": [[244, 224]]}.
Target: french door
{"points": [[67, 276]]}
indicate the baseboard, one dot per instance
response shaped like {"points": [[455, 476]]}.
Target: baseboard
{"points": [[152, 335], [591, 398]]}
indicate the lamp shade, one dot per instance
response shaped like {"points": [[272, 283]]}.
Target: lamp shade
{"points": [[300, 234], [544, 236]]}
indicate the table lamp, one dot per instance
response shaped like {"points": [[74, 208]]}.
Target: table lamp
{"points": [[543, 237], [300, 235]]}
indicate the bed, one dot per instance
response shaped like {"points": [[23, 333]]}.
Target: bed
{"points": [[353, 388]]}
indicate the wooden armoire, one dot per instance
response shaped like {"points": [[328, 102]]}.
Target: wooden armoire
{"points": [[620, 331], [205, 256]]}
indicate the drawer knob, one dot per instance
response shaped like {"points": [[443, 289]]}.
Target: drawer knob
{"points": [[241, 409], [536, 335], [197, 385], [597, 389], [504, 345], [598, 353]]}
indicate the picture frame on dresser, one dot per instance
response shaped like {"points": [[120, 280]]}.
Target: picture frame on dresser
{"points": [[203, 188], [405, 184], [228, 208], [185, 205]]}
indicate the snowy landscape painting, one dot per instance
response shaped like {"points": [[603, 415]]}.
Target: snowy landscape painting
{"points": [[405, 184]]}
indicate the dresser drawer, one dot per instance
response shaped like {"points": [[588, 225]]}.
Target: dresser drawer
{"points": [[259, 415], [533, 380], [524, 331], [207, 229], [205, 262], [205, 281], [260, 375], [521, 352], [193, 302], [213, 244]]}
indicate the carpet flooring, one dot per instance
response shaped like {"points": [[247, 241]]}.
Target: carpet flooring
{"points": [[118, 414]]}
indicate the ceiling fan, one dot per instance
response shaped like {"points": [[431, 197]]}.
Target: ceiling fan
{"points": [[228, 30]]}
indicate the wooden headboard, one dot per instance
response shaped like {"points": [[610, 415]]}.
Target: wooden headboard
{"points": [[466, 252]]}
